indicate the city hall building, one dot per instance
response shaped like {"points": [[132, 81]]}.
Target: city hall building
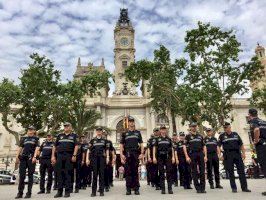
{"points": [[125, 99]]}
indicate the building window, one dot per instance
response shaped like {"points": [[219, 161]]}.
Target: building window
{"points": [[162, 120], [119, 130], [124, 63]]}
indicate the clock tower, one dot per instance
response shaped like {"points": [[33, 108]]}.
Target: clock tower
{"points": [[124, 54]]}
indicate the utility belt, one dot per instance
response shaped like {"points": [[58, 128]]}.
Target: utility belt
{"points": [[164, 154], [25, 156], [45, 157], [195, 151], [98, 154], [132, 150], [64, 153], [228, 151]]}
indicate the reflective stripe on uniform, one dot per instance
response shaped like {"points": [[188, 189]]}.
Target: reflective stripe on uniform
{"points": [[66, 140]]}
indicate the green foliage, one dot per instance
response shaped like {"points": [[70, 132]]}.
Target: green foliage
{"points": [[45, 102], [210, 77], [258, 99]]}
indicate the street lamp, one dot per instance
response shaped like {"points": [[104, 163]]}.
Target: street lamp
{"points": [[7, 161]]}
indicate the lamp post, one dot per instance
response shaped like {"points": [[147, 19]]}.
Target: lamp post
{"points": [[7, 161]]}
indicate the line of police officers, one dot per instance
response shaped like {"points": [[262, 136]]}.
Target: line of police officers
{"points": [[191, 153]]}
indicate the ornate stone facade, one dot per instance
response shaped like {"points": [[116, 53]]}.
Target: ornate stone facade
{"points": [[125, 100]]}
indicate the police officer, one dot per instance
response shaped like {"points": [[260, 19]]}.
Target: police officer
{"points": [[77, 165], [166, 157], [98, 156], [174, 167], [197, 156], [148, 165], [84, 168], [108, 171], [45, 154], [155, 180], [213, 160], [131, 151], [258, 132], [26, 156], [234, 154], [66, 148], [183, 166]]}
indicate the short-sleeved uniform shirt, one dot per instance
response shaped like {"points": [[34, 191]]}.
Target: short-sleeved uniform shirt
{"points": [[66, 143], [179, 149], [29, 144], [98, 146], [164, 146], [194, 142], [211, 144], [46, 149], [131, 140], [150, 144], [261, 124], [111, 149], [230, 142]]}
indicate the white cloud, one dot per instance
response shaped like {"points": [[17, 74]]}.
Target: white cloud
{"points": [[64, 30]]}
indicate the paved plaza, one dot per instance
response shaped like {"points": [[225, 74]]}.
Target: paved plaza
{"points": [[8, 192]]}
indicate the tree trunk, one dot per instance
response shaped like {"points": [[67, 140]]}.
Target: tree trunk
{"points": [[14, 133]]}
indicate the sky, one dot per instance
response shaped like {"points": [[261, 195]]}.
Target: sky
{"points": [[64, 30]]}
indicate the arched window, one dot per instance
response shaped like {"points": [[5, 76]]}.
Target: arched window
{"points": [[162, 119], [119, 130]]}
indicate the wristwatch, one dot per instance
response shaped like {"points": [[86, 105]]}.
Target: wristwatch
{"points": [[74, 155]]}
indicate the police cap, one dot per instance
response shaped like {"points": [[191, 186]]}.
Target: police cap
{"points": [[253, 112], [131, 119], [208, 129], [226, 124], [181, 134], [67, 124], [99, 128], [192, 124], [162, 127], [155, 129], [31, 128], [174, 134]]}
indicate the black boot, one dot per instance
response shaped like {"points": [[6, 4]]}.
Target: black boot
{"points": [[41, 192], [128, 191], [170, 191], [211, 186], [246, 190], [93, 194], [19, 196], [137, 192], [67, 194], [27, 196], [101, 194], [48, 191], [219, 186], [58, 194], [263, 193], [76, 190], [163, 191]]}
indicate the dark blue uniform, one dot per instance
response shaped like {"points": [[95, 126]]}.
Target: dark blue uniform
{"points": [[213, 160], [108, 171], [164, 147], [45, 164], [261, 145], [65, 145], [195, 143], [174, 169], [29, 144], [98, 147], [131, 141], [77, 169], [84, 168], [183, 166], [232, 156], [154, 173]]}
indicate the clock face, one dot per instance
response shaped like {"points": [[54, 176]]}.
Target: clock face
{"points": [[124, 41]]}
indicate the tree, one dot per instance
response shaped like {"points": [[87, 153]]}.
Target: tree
{"points": [[10, 93], [160, 76], [214, 70], [258, 99], [78, 114]]}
